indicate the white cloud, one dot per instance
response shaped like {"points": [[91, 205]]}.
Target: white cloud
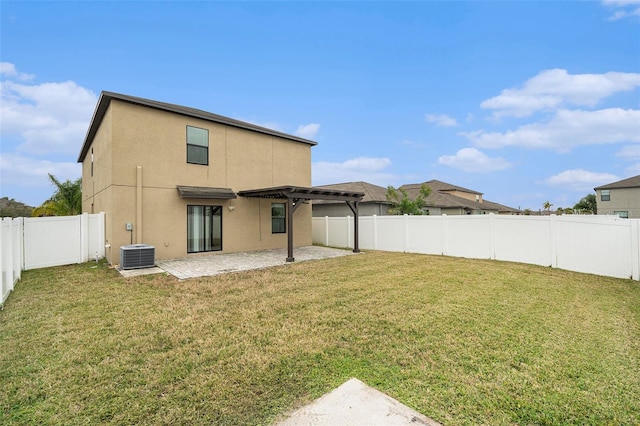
{"points": [[556, 88], [369, 169], [473, 160], [632, 152], [441, 120], [8, 70], [580, 180], [36, 120], [567, 129], [47, 117], [308, 131], [633, 170], [26, 171], [624, 8], [411, 144]]}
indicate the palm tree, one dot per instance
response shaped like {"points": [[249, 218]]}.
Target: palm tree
{"points": [[547, 205], [66, 201]]}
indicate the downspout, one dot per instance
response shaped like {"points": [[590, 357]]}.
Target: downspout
{"points": [[138, 204]]}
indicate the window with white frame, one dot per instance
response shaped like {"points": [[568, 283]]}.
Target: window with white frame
{"points": [[605, 195]]}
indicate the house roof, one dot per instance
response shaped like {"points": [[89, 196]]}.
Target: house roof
{"points": [[372, 193], [440, 186], [209, 193], [440, 197], [632, 182], [107, 97]]}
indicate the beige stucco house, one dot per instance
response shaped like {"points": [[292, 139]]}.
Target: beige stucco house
{"points": [[621, 198], [187, 181]]}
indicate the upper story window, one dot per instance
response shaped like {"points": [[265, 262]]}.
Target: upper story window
{"points": [[197, 145], [605, 195]]}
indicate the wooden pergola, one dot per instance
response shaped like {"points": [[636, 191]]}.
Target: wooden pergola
{"points": [[296, 195]]}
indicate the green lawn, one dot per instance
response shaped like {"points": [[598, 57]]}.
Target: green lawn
{"points": [[461, 341]]}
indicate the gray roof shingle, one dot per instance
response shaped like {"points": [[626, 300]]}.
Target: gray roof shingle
{"points": [[632, 182]]}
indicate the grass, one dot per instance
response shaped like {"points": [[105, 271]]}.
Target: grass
{"points": [[461, 341]]}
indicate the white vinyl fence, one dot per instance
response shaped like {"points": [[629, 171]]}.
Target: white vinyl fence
{"points": [[38, 242], [601, 245]]}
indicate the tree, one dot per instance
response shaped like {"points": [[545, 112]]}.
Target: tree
{"points": [[65, 201], [547, 205], [401, 202], [587, 204]]}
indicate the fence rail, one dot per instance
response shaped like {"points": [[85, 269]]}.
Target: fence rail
{"points": [[602, 245], [30, 243]]}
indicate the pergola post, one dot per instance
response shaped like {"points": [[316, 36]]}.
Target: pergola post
{"points": [[354, 209]]}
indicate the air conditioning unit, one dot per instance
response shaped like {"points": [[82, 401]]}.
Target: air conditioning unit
{"points": [[137, 256]]}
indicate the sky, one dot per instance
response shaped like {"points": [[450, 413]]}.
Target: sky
{"points": [[524, 101]]}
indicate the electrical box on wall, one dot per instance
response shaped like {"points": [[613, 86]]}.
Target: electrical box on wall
{"points": [[129, 226]]}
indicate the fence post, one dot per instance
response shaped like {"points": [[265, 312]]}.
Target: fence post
{"points": [[18, 248], [375, 232], [444, 235], [635, 250], [84, 237], [3, 280], [326, 231], [492, 237], [405, 232], [553, 240]]}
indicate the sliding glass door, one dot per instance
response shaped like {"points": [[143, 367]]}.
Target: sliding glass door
{"points": [[204, 228]]}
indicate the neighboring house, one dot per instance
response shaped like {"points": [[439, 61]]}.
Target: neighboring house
{"points": [[445, 198], [188, 181], [374, 201], [449, 199], [621, 198]]}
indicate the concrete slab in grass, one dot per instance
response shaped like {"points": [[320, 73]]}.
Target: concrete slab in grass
{"points": [[354, 403]]}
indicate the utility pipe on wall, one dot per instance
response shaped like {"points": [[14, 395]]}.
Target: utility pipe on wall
{"points": [[139, 204]]}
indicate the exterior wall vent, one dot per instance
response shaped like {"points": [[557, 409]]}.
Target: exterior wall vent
{"points": [[137, 256]]}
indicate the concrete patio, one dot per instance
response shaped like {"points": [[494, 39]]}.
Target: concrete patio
{"points": [[209, 264]]}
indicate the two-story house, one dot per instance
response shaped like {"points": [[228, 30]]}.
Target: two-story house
{"points": [[445, 198], [188, 181], [621, 198]]}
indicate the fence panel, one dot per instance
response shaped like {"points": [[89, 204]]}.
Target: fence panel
{"points": [[523, 239], [603, 245], [391, 233], [467, 236], [424, 234], [51, 241], [594, 246], [338, 232], [10, 255]]}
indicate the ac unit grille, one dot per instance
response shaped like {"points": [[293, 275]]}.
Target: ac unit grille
{"points": [[137, 256]]}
